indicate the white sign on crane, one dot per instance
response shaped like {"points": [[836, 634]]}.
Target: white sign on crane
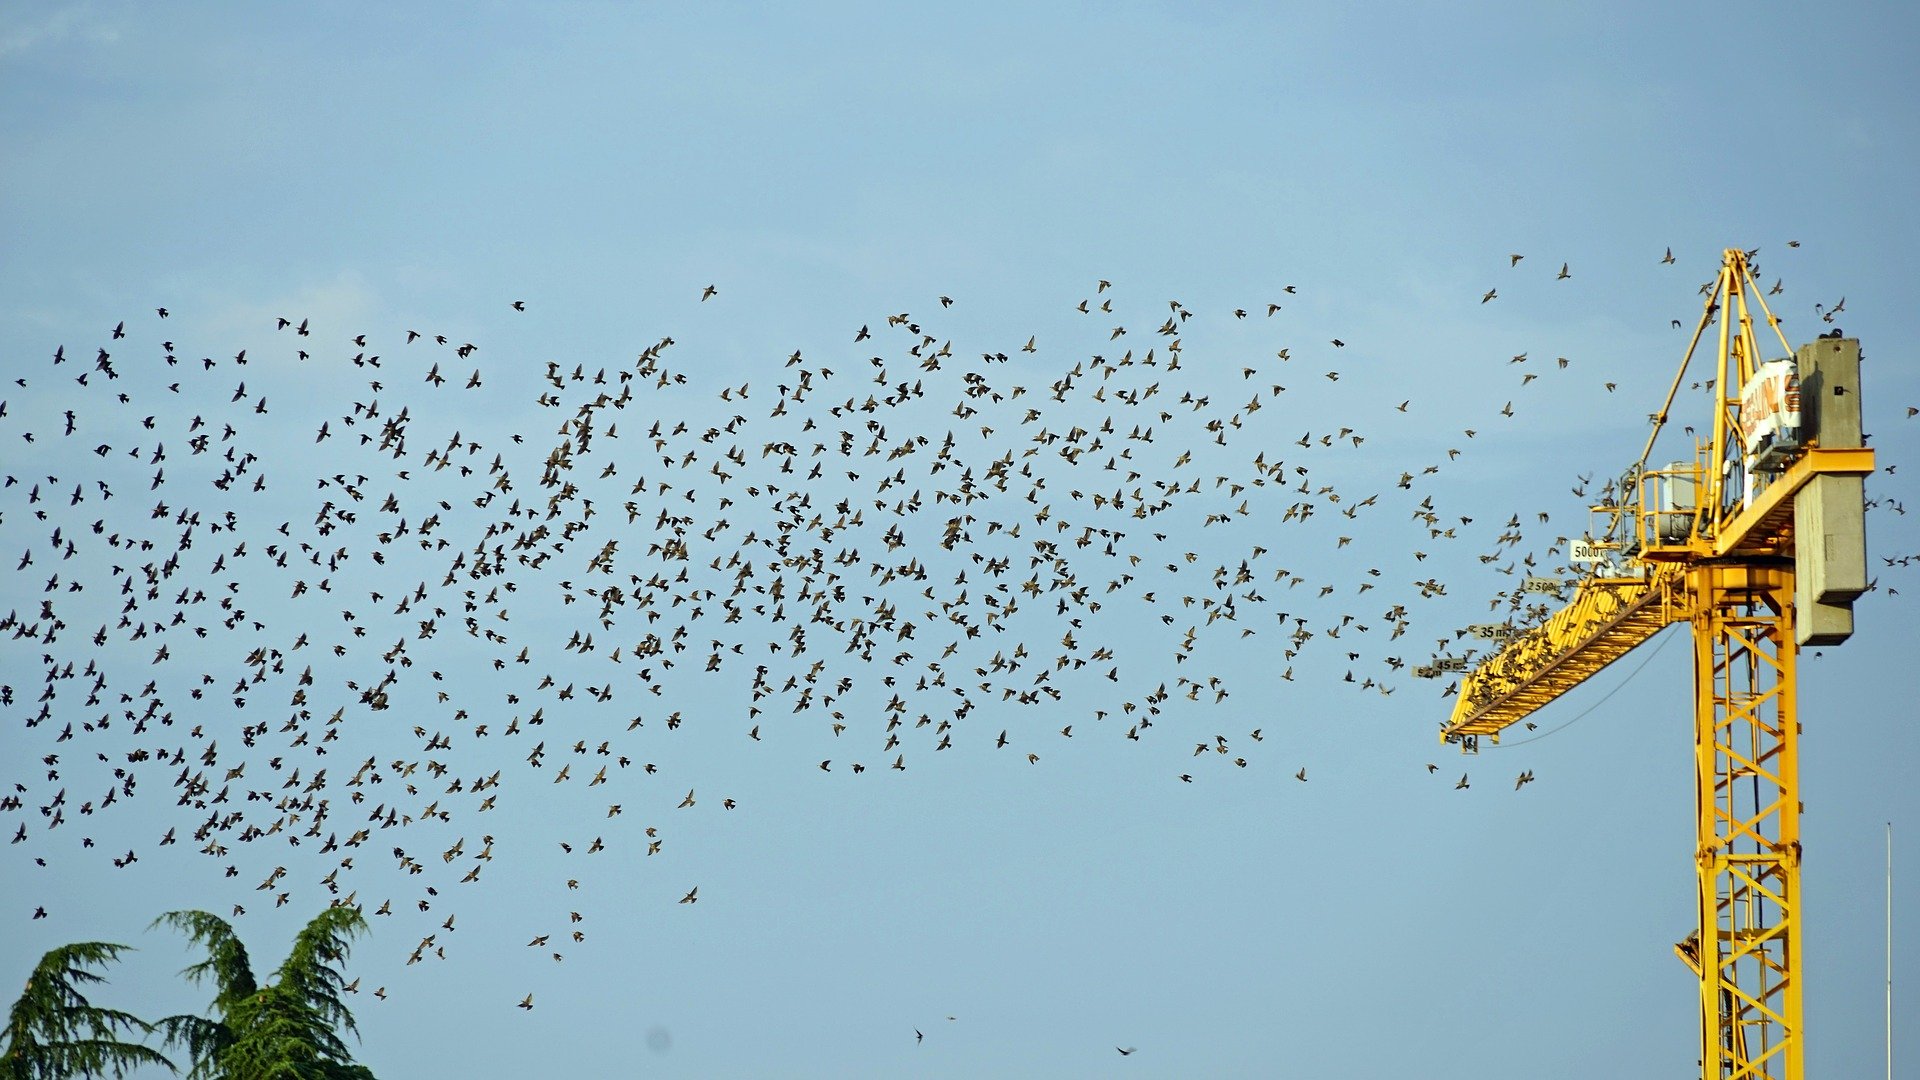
{"points": [[1770, 414]]}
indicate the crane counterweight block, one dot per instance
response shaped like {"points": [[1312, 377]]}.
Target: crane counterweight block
{"points": [[1830, 557]]}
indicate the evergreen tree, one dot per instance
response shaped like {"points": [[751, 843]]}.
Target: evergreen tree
{"points": [[54, 1033], [286, 1030]]}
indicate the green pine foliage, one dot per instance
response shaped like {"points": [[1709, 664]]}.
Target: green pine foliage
{"points": [[288, 1029], [54, 1033]]}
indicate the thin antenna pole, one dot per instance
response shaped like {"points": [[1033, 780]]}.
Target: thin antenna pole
{"points": [[1889, 950]]}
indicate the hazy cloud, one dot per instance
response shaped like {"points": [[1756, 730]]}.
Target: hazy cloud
{"points": [[79, 23]]}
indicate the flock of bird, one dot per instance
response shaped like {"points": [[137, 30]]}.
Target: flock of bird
{"points": [[227, 569]]}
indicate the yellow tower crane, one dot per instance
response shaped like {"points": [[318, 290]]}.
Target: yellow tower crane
{"points": [[1759, 544]]}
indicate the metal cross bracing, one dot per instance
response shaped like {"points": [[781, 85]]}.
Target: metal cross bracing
{"points": [[1747, 807], [1607, 618]]}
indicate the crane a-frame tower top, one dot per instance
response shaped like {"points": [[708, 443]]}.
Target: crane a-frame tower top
{"points": [[1759, 544]]}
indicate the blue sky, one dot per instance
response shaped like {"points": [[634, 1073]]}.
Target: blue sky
{"points": [[377, 169]]}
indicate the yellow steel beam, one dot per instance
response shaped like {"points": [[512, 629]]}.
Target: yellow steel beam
{"points": [[1746, 953], [1606, 619], [1766, 526]]}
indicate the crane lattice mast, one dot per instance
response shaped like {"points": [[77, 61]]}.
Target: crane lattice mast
{"points": [[1759, 545]]}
